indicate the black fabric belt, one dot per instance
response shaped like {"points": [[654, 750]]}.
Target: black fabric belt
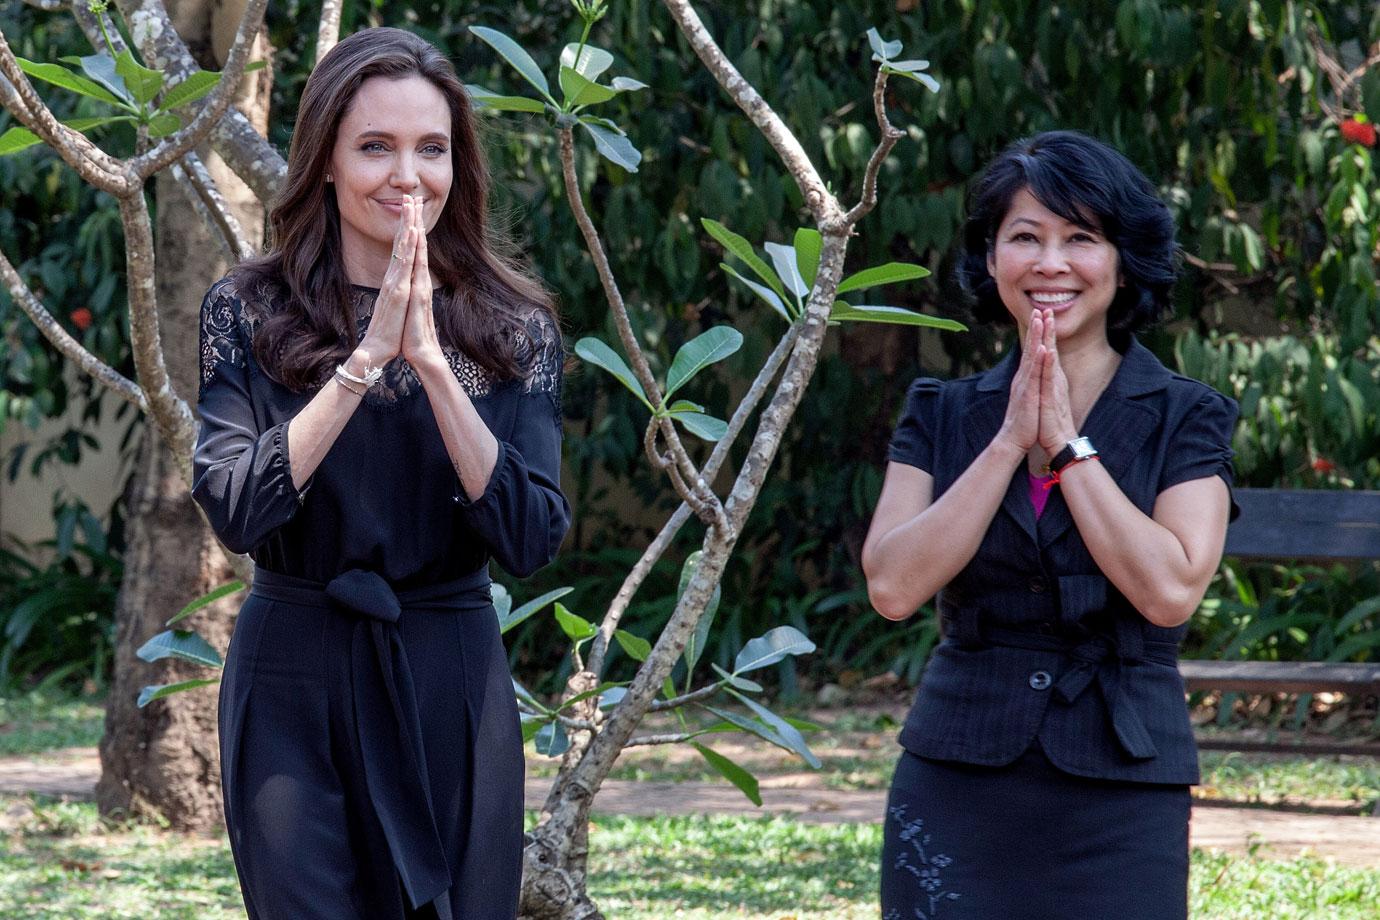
{"points": [[386, 717], [1095, 656]]}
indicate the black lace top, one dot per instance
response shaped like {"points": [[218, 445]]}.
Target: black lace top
{"points": [[386, 496]]}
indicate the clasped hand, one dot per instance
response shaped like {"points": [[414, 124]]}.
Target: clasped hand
{"points": [[1038, 411], [403, 322]]}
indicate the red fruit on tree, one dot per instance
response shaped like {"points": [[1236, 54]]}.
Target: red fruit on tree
{"points": [[1359, 132]]}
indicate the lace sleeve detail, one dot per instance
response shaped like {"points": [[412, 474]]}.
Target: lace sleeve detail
{"points": [[222, 340], [540, 351]]}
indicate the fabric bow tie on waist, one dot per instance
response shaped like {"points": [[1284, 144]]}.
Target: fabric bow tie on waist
{"points": [[386, 717]]}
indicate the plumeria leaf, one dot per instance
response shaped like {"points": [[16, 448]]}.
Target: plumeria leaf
{"points": [[783, 259], [637, 647], [612, 697], [890, 273], [210, 597], [705, 427], [923, 79], [843, 313], [482, 98], [593, 61], [613, 146], [808, 244], [508, 619], [627, 84], [741, 248], [795, 741], [579, 90], [142, 82], [17, 138], [599, 353], [163, 124], [101, 68], [882, 50], [159, 691], [183, 645], [196, 86], [551, 739], [771, 647], [761, 290], [515, 55], [703, 350], [61, 76], [735, 774], [742, 683], [576, 627]]}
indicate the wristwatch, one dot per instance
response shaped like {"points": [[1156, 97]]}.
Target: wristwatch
{"points": [[1075, 451]]}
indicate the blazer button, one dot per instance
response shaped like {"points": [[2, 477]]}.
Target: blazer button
{"points": [[1037, 585], [1040, 680]]}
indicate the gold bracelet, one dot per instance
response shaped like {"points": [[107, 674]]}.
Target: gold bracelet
{"points": [[341, 380]]}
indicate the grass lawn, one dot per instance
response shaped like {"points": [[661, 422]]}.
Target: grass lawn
{"points": [[35, 723], [58, 860]]}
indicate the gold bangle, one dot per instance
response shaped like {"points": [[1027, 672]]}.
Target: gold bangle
{"points": [[340, 380]]}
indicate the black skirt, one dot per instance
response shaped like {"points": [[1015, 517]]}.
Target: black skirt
{"points": [[1027, 841], [371, 754]]}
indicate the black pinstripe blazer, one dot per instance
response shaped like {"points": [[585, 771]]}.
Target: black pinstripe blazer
{"points": [[1037, 642]]}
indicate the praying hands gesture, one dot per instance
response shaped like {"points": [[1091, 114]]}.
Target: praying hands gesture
{"points": [[1038, 412], [403, 322]]}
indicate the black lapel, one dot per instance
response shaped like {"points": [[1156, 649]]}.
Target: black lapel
{"points": [[1118, 426], [981, 422]]}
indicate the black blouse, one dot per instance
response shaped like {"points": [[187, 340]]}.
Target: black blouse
{"points": [[386, 497]]}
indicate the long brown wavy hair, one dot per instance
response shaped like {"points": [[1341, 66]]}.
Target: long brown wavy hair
{"points": [[311, 325]]}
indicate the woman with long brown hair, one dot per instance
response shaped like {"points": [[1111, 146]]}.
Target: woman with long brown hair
{"points": [[380, 410]]}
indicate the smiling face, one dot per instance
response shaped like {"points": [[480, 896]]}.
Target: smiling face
{"points": [[393, 141], [1041, 261]]}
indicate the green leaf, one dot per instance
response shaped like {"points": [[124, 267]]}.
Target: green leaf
{"points": [[596, 691], [599, 353], [741, 248], [612, 697], [705, 427], [142, 82], [509, 619], [158, 691], [890, 273], [613, 145], [735, 774], [794, 739], [627, 84], [163, 124], [196, 86], [882, 50], [181, 644], [783, 258], [210, 597], [761, 290], [923, 79], [552, 739], [487, 99], [576, 627], [593, 61], [101, 68], [843, 312], [514, 54], [61, 76], [530, 725], [808, 244], [694, 646], [581, 91], [524, 695], [742, 683], [771, 647], [17, 138], [765, 730], [501, 599], [637, 647], [703, 350]]}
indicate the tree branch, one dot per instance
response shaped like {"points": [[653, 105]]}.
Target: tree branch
{"points": [[670, 738], [685, 699], [91, 25], [696, 491], [817, 196], [205, 197], [93, 164], [328, 32], [73, 350], [216, 105], [890, 135], [168, 411], [657, 548]]}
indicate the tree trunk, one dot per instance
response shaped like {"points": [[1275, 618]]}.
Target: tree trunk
{"points": [[162, 760]]}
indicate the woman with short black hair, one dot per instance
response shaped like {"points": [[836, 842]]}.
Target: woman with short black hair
{"points": [[380, 417], [1069, 507]]}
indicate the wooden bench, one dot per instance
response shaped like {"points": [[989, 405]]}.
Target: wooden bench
{"points": [[1310, 526]]}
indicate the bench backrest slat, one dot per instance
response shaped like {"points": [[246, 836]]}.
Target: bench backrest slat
{"points": [[1305, 524]]}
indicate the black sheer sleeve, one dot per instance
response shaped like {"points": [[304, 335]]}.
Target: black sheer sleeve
{"points": [[241, 475], [522, 515]]}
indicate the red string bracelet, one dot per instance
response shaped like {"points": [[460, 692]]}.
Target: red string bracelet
{"points": [[1054, 474]]}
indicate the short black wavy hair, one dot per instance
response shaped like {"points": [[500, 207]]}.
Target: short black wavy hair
{"points": [[1090, 184]]}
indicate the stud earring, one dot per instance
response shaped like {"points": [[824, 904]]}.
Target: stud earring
{"points": [[330, 178]]}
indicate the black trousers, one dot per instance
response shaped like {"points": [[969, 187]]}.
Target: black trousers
{"points": [[1029, 842], [371, 754]]}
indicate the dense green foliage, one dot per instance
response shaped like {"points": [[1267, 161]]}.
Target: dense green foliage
{"points": [[1231, 106]]}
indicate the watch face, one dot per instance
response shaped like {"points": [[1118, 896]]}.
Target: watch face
{"points": [[1082, 448]]}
